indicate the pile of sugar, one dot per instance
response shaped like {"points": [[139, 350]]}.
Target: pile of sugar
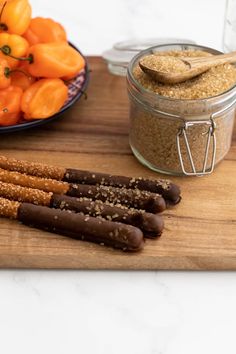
{"points": [[211, 83], [165, 64]]}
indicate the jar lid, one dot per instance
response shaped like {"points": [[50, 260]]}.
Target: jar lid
{"points": [[119, 56]]}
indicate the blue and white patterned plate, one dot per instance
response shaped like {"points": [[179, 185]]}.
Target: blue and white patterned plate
{"points": [[77, 86]]}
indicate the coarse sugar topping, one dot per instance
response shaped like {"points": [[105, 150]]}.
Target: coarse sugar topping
{"points": [[164, 64], [213, 82], [9, 208]]}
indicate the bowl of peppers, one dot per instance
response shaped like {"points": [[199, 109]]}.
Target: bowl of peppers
{"points": [[41, 73]]}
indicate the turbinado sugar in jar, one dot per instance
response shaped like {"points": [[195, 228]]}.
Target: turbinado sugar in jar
{"points": [[185, 128]]}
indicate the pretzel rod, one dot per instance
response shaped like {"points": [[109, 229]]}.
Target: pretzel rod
{"points": [[9, 208], [135, 198], [151, 224], [27, 195], [168, 190], [46, 185], [131, 197], [117, 235], [32, 168]]}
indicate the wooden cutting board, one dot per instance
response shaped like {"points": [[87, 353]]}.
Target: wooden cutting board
{"points": [[200, 233]]}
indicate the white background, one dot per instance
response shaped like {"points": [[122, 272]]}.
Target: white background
{"points": [[95, 25], [71, 312]]}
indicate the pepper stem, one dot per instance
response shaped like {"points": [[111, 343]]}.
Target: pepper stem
{"points": [[6, 50], [8, 72], [3, 26]]}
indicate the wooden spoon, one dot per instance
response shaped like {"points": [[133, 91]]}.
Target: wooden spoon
{"points": [[176, 72]]}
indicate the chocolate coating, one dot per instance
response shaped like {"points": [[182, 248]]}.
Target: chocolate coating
{"points": [[168, 190], [117, 235], [151, 224], [135, 198]]}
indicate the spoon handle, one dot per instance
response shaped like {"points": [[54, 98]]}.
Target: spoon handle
{"points": [[211, 61]]}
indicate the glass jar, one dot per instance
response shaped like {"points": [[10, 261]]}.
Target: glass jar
{"points": [[119, 56], [175, 136]]}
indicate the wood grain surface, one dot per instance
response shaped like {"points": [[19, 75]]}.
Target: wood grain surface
{"points": [[200, 233]]}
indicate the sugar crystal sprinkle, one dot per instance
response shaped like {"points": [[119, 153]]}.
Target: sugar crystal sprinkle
{"points": [[32, 168], [211, 83], [9, 209], [165, 64]]}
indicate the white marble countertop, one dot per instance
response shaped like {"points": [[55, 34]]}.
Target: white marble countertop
{"points": [[122, 312], [117, 312]]}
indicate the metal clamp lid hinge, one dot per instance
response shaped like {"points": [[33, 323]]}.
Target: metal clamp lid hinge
{"points": [[210, 137]]}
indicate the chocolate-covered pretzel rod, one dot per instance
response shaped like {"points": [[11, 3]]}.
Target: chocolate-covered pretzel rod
{"points": [[168, 190], [150, 202], [117, 235], [151, 224], [134, 198]]}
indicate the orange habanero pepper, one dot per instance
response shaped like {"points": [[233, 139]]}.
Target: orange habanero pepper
{"points": [[5, 80], [24, 66], [44, 30], [15, 16], [44, 98], [16, 77], [54, 60], [12, 47], [21, 79], [10, 101]]}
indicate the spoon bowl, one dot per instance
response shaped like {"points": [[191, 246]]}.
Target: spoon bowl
{"points": [[193, 66]]}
